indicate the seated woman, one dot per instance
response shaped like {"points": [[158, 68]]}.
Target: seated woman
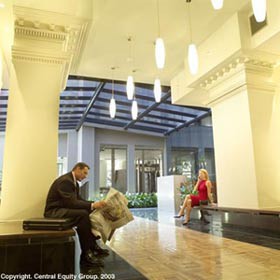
{"points": [[203, 186]]}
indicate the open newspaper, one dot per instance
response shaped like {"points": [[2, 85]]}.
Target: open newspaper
{"points": [[114, 215]]}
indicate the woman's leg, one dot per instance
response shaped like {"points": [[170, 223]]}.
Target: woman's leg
{"points": [[184, 206], [189, 209]]}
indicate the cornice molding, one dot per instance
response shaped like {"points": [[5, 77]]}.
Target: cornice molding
{"points": [[39, 33], [250, 64], [58, 58], [237, 74], [241, 74], [51, 32]]}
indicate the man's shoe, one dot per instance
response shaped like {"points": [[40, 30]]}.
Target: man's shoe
{"points": [[98, 251], [88, 259]]}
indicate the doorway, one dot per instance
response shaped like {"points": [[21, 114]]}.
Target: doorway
{"points": [[113, 169], [148, 166]]}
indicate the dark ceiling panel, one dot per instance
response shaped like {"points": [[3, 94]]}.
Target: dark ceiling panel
{"points": [[86, 100]]}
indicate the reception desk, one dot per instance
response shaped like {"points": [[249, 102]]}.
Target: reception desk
{"points": [[168, 192]]}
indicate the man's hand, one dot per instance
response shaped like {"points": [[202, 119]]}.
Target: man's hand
{"points": [[98, 204]]}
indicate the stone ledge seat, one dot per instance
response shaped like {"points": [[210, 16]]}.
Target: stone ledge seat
{"points": [[36, 251], [241, 210], [264, 219]]}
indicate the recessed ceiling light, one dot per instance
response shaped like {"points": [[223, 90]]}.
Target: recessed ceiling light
{"points": [[2, 5]]}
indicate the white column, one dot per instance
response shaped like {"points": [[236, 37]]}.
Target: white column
{"points": [[164, 159], [96, 178], [41, 58], [239, 81], [31, 136], [234, 153], [245, 112], [131, 184], [86, 151], [72, 149]]}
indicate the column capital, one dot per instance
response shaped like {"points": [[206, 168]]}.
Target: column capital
{"points": [[241, 72], [48, 37], [241, 62], [245, 70]]}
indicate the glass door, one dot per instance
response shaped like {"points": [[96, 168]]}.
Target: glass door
{"points": [[148, 166], [112, 169]]}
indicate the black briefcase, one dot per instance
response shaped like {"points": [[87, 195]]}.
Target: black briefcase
{"points": [[47, 224]]}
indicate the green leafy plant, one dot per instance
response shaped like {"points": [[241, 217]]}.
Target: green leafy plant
{"points": [[186, 188], [141, 200]]}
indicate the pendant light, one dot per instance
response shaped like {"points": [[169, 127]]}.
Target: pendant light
{"points": [[130, 87], [113, 106], [157, 90], [192, 50], [259, 9], [134, 109], [159, 47], [130, 83], [193, 59], [217, 4]]}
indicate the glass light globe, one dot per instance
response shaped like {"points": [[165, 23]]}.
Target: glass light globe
{"points": [[112, 108], [193, 59], [130, 87], [259, 9], [157, 90], [217, 4], [160, 53], [134, 110]]}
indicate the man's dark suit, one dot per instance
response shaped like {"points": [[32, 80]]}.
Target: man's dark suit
{"points": [[64, 201]]}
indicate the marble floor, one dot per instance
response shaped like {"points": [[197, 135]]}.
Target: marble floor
{"points": [[164, 249], [216, 227], [157, 246], [115, 267]]}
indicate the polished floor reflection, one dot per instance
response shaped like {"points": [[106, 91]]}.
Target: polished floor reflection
{"points": [[162, 250], [216, 227], [115, 267]]}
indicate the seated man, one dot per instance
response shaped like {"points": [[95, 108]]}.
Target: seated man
{"points": [[64, 201]]}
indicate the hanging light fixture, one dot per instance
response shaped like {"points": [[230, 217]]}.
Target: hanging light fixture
{"points": [[130, 87], [157, 90], [193, 59], [217, 4], [192, 50], [113, 106], [160, 53], [130, 83], [159, 47], [134, 109], [259, 9]]}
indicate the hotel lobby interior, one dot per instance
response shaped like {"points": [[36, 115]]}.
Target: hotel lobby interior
{"points": [[146, 92]]}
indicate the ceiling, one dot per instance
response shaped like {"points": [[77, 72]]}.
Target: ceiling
{"points": [[114, 21], [106, 45]]}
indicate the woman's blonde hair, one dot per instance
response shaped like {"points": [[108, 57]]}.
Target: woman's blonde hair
{"points": [[204, 171]]}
